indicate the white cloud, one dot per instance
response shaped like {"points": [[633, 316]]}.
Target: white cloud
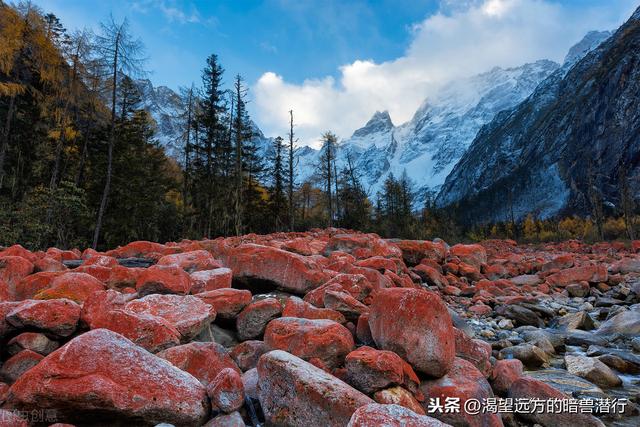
{"points": [[463, 38], [172, 10]]}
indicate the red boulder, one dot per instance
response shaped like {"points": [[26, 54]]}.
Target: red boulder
{"points": [[14, 367], [188, 314], [58, 316], [415, 324], [202, 360], [210, 280], [74, 286], [505, 372], [102, 374], [295, 307], [462, 382], [293, 392], [227, 302], [163, 279], [474, 255], [226, 391], [290, 272], [370, 370], [14, 268], [191, 261], [320, 339], [375, 414], [253, 319]]}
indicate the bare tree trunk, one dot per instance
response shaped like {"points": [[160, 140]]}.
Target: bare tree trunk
{"points": [[112, 137]]}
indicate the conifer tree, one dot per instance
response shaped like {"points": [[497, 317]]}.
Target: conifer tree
{"points": [[326, 171], [291, 177], [120, 54], [211, 124], [276, 193]]}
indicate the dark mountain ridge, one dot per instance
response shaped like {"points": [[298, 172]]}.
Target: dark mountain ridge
{"points": [[575, 137]]}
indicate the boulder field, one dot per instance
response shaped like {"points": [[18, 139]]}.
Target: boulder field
{"points": [[323, 328]]}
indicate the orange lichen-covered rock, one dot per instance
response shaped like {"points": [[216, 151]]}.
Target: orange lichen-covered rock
{"points": [[18, 364], [191, 261], [475, 351], [188, 314], [295, 307], [294, 392], [462, 382], [203, 360], [227, 302], [163, 279], [370, 370], [59, 316], [253, 319], [140, 249], [530, 388], [290, 272], [210, 280], [247, 353], [587, 273], [320, 339], [226, 391], [399, 396], [414, 251], [106, 309], [101, 373], [391, 415], [14, 268], [415, 324], [474, 255], [74, 286]]}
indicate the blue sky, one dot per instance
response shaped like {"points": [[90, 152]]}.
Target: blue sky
{"points": [[300, 39], [336, 62]]}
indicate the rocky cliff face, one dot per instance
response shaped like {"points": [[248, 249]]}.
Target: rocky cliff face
{"points": [[580, 126]]}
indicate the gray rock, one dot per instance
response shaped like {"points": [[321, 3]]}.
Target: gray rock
{"points": [[530, 355], [578, 320], [521, 315], [626, 323], [556, 339], [632, 360], [568, 383], [583, 338], [593, 370]]}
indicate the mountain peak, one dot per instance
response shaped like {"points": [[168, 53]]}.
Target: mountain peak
{"points": [[589, 42], [379, 122]]}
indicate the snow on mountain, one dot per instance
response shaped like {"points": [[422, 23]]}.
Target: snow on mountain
{"points": [[535, 157], [427, 147], [164, 105], [430, 144]]}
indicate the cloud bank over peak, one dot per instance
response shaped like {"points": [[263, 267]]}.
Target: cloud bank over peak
{"points": [[463, 38]]}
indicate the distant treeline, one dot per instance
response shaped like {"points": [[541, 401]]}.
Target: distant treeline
{"points": [[80, 165]]}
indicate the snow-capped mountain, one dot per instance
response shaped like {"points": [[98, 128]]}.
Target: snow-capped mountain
{"points": [[427, 147], [164, 105], [577, 134], [430, 144]]}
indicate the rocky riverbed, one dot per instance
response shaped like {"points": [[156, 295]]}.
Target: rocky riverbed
{"points": [[324, 328]]}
